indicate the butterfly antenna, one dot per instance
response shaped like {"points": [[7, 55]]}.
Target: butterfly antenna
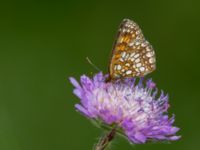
{"points": [[93, 65]]}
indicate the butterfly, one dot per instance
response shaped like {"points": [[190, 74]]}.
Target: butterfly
{"points": [[132, 54]]}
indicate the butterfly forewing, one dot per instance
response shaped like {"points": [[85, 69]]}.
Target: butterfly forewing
{"points": [[132, 55]]}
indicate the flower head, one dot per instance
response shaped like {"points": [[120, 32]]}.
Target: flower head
{"points": [[135, 109]]}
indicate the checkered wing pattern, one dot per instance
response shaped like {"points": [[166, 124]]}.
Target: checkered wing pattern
{"points": [[132, 54]]}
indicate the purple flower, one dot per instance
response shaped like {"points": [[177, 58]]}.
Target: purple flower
{"points": [[133, 108]]}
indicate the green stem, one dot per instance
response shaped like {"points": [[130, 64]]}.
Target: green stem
{"points": [[105, 140]]}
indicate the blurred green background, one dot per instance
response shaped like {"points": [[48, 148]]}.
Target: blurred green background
{"points": [[42, 43]]}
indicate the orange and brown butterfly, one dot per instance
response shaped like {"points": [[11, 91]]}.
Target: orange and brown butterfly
{"points": [[132, 54]]}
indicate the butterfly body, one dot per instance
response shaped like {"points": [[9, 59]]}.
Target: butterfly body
{"points": [[132, 54]]}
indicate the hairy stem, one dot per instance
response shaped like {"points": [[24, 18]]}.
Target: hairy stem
{"points": [[105, 140]]}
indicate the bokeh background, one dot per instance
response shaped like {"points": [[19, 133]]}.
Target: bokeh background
{"points": [[42, 43]]}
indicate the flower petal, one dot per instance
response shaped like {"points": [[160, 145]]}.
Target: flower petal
{"points": [[74, 82]]}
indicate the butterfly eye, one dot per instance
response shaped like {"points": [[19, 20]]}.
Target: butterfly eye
{"points": [[132, 55]]}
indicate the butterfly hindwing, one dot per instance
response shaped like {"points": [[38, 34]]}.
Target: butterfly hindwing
{"points": [[132, 54]]}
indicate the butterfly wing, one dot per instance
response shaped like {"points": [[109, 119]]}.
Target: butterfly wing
{"points": [[132, 55]]}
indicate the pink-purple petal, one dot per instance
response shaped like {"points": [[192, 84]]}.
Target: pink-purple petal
{"points": [[74, 82]]}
